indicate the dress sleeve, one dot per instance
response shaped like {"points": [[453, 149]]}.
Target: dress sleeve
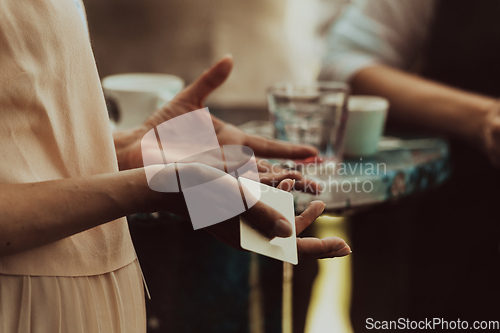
{"points": [[391, 32]]}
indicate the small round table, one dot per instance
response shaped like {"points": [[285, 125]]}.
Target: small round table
{"points": [[403, 167]]}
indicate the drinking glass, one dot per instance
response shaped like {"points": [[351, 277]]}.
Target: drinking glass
{"points": [[314, 113]]}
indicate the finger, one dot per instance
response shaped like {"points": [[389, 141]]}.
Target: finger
{"points": [[275, 169], [272, 179], [286, 185], [309, 215], [268, 221], [268, 169], [211, 79], [322, 248], [307, 185], [265, 167], [271, 174], [265, 147], [335, 254]]}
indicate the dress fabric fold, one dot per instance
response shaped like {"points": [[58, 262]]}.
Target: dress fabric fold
{"points": [[108, 303]]}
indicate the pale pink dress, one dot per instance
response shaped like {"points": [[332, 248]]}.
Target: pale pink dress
{"points": [[53, 125]]}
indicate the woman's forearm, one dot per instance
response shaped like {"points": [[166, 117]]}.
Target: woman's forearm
{"points": [[425, 103], [35, 214]]}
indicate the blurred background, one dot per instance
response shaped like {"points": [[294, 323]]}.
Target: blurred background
{"points": [[184, 37], [405, 234]]}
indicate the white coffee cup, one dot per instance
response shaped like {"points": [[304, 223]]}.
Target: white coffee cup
{"points": [[365, 124], [138, 95]]}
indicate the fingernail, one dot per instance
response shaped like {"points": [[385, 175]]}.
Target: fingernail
{"points": [[283, 228], [322, 207], [339, 247], [344, 252], [293, 184], [228, 55]]}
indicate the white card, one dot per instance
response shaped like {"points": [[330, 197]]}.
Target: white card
{"points": [[284, 249]]}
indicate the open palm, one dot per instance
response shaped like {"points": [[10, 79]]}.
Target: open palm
{"points": [[190, 99]]}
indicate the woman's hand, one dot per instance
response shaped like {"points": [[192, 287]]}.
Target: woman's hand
{"points": [[192, 98], [262, 217], [270, 223], [128, 143]]}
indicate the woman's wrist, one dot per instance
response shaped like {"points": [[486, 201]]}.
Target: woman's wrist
{"points": [[124, 142], [152, 196], [144, 199]]}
